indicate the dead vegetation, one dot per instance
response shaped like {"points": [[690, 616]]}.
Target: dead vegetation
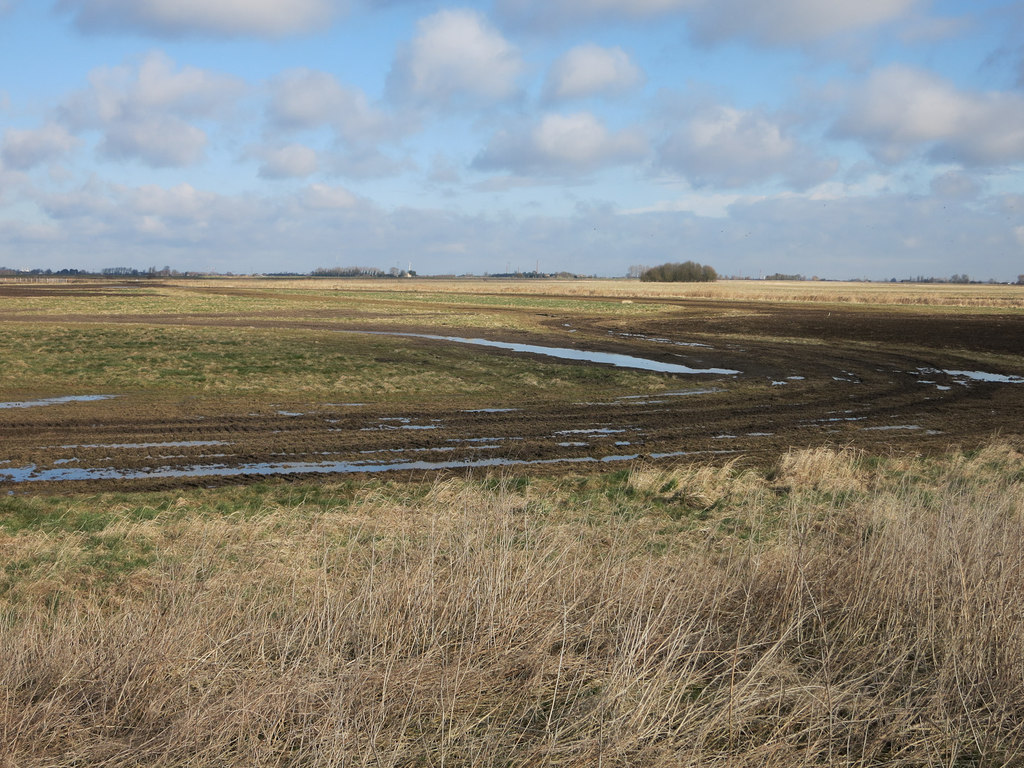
{"points": [[841, 610]]}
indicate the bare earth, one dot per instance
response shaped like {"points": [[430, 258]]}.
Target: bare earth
{"points": [[874, 377]]}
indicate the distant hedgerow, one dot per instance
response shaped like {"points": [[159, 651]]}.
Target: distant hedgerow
{"points": [[687, 272]]}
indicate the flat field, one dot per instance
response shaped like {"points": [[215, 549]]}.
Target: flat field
{"points": [[153, 384], [256, 523]]}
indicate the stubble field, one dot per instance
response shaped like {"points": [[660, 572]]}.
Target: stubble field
{"points": [[238, 529]]}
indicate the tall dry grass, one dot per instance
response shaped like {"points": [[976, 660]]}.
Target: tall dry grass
{"points": [[840, 611]]}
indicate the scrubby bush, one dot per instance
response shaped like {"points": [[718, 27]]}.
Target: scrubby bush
{"points": [[687, 272]]}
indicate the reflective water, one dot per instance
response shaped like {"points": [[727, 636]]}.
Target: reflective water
{"points": [[982, 376], [57, 401], [968, 376], [903, 428], [31, 474], [178, 444], [566, 353]]}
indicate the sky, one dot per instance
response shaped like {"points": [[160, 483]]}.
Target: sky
{"points": [[844, 139]]}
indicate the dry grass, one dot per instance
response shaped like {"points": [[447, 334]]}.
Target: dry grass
{"points": [[889, 294], [686, 616]]}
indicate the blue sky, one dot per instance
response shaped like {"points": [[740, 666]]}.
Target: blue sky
{"points": [[876, 138]]}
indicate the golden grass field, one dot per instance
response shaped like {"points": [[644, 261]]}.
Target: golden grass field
{"points": [[838, 610], [829, 596]]}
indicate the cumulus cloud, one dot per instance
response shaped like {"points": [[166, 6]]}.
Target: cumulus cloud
{"points": [[160, 141], [589, 70], [222, 18], [560, 144], [955, 185], [900, 111], [324, 197], [144, 110], [457, 58], [304, 99], [727, 147], [288, 162], [363, 163], [785, 22], [780, 22], [551, 14], [23, 150]]}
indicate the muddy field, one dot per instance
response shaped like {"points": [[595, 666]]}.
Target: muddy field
{"points": [[884, 378]]}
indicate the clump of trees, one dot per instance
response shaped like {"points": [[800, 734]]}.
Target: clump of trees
{"points": [[687, 272], [348, 272]]}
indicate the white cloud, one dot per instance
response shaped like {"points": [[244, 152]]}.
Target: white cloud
{"points": [[550, 14], [152, 85], [588, 70], [456, 58], [779, 22], [323, 197], [23, 150], [900, 111], [288, 162], [955, 185], [559, 144], [143, 110], [363, 163], [173, 18], [160, 141], [784, 22], [727, 147], [443, 170], [305, 98], [876, 235]]}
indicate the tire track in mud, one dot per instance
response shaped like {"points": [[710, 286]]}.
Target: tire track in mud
{"points": [[798, 388]]}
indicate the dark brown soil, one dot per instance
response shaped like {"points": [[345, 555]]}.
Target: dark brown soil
{"points": [[868, 378]]}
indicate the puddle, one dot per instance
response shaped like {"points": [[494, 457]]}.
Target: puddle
{"points": [[180, 444], [965, 377], [982, 376], [893, 427], [399, 426], [593, 431], [493, 410], [57, 401], [401, 422], [684, 393], [659, 340], [565, 353], [481, 439], [31, 474]]}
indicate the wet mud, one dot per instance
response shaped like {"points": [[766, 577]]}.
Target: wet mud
{"points": [[883, 381]]}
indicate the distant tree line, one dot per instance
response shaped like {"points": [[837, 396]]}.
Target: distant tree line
{"points": [[687, 272], [781, 276], [348, 272], [106, 272]]}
